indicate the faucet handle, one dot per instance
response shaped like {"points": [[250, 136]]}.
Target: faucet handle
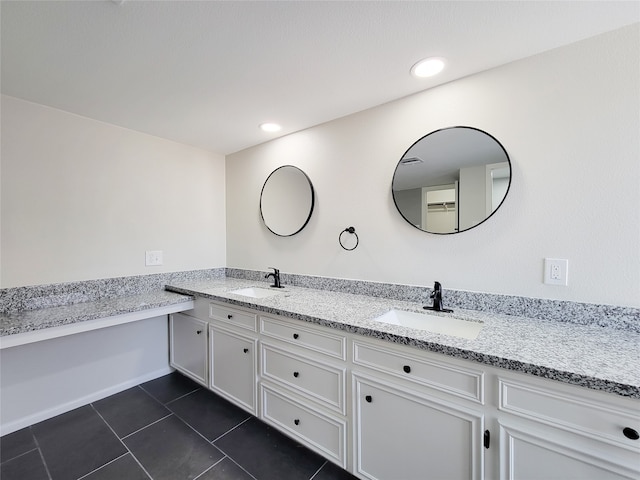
{"points": [[437, 290]]}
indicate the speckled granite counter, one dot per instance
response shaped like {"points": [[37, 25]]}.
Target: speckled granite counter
{"points": [[13, 323], [31, 313], [592, 356]]}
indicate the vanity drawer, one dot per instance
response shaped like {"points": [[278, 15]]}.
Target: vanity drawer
{"points": [[573, 413], [460, 381], [312, 338], [233, 316], [320, 382], [320, 432]]}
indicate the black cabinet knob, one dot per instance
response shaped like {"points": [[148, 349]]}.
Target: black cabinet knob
{"points": [[198, 332], [297, 421], [245, 350], [407, 369], [295, 336], [229, 316], [630, 433], [296, 374], [368, 398]]}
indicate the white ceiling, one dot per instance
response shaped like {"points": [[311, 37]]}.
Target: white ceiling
{"points": [[207, 73]]}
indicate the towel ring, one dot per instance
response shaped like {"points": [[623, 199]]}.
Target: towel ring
{"points": [[352, 231]]}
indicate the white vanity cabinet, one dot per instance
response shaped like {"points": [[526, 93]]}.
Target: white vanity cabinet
{"points": [[386, 411], [562, 432], [188, 346], [415, 418], [303, 384], [233, 346]]}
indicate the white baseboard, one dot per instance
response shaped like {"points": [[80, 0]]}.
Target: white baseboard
{"points": [[20, 423]]}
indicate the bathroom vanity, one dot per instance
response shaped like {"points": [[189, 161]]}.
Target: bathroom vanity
{"points": [[524, 399]]}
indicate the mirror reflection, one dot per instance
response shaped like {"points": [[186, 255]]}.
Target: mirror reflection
{"points": [[286, 201], [451, 180]]}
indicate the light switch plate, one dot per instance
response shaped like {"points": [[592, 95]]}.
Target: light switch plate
{"points": [[153, 258], [556, 271]]}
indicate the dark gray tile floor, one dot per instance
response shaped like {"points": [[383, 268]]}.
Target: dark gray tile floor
{"points": [[166, 429]]}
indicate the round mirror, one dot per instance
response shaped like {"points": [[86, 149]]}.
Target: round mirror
{"points": [[286, 201], [451, 180]]}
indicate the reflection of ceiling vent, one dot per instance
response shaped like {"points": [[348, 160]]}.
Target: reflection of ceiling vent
{"points": [[410, 161]]}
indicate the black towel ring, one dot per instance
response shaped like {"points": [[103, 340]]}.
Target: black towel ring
{"points": [[353, 232]]}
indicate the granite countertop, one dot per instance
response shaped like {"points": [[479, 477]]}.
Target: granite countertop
{"points": [[591, 356], [31, 320]]}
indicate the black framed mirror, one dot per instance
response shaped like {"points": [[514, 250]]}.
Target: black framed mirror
{"points": [[451, 180], [286, 201]]}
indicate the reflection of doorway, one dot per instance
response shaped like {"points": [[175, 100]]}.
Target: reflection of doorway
{"points": [[498, 178], [439, 212]]}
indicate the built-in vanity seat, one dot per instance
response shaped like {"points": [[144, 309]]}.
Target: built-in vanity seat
{"points": [[527, 398], [29, 326], [63, 346]]}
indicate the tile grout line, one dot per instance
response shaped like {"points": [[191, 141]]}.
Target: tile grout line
{"points": [[318, 471], [19, 455], [220, 461], [188, 425], [212, 442], [151, 396], [198, 433], [170, 401], [44, 462], [123, 444], [171, 412], [102, 466], [182, 396], [230, 430], [217, 463], [148, 425], [225, 453]]}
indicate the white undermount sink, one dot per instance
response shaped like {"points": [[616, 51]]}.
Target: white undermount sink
{"points": [[432, 323], [256, 292]]}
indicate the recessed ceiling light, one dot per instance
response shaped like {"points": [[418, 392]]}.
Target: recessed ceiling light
{"points": [[270, 127], [428, 67]]}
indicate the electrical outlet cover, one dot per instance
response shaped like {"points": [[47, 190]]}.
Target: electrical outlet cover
{"points": [[556, 271], [153, 258]]}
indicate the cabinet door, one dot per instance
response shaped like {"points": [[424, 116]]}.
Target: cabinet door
{"points": [[550, 431], [402, 436], [534, 452], [233, 367], [189, 346]]}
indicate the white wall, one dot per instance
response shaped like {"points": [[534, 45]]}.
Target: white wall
{"points": [[82, 199], [568, 118]]}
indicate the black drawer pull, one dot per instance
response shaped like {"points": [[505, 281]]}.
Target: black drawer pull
{"points": [[296, 421], [407, 369], [229, 316], [295, 336], [368, 398], [630, 433], [296, 374], [245, 350], [198, 332]]}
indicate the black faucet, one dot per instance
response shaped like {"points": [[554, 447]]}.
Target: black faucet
{"points": [[436, 295], [276, 278]]}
